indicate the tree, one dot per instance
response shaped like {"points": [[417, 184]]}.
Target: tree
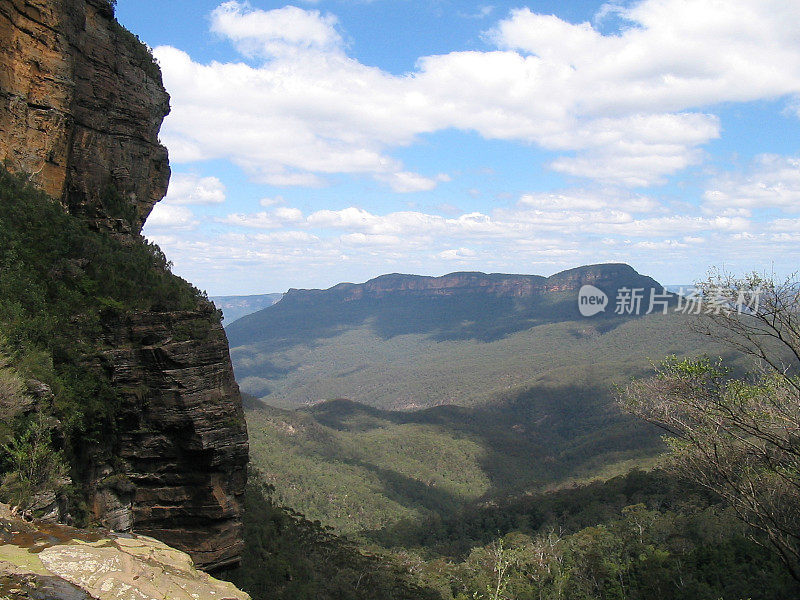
{"points": [[739, 437], [36, 467]]}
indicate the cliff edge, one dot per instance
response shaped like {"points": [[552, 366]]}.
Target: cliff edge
{"points": [[81, 104], [40, 560]]}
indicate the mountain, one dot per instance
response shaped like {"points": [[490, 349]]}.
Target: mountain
{"points": [[236, 307], [117, 368], [405, 342], [455, 306], [408, 397]]}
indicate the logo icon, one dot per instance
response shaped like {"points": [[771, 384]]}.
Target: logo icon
{"points": [[591, 300]]}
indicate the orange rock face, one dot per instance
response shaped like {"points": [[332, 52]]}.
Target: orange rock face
{"points": [[81, 104]]}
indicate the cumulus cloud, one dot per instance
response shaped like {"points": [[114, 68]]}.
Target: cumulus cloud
{"points": [[186, 188], [267, 202], [772, 182], [570, 213], [589, 200], [275, 219], [270, 33], [168, 216], [458, 254], [625, 105], [406, 182], [540, 233]]}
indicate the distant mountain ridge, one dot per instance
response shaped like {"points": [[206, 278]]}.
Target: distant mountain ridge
{"points": [[406, 341], [455, 306], [236, 307], [497, 284]]}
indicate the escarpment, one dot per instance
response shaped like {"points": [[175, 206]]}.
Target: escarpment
{"points": [[484, 284], [81, 104]]}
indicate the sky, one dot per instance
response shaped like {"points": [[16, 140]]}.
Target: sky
{"points": [[337, 140]]}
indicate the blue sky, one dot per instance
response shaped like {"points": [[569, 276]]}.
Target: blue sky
{"points": [[338, 140]]}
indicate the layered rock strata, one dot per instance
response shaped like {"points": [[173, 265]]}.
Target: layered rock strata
{"points": [[81, 105]]}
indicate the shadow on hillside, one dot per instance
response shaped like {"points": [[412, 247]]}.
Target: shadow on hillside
{"points": [[537, 436], [466, 317], [567, 509], [410, 493], [288, 557]]}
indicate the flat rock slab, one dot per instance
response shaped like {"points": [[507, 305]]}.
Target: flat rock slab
{"points": [[62, 563]]}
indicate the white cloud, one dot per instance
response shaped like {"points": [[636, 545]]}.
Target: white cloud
{"points": [[772, 182], [785, 225], [186, 188], [264, 220], [275, 32], [625, 104], [168, 216], [458, 254], [586, 200], [287, 237], [406, 182], [537, 235], [267, 202], [675, 54], [364, 239], [536, 218]]}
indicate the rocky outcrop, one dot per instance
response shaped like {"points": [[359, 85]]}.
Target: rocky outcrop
{"points": [[610, 276], [81, 104], [60, 563], [183, 440]]}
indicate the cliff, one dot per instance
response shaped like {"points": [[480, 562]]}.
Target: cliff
{"points": [[150, 415], [182, 441], [81, 103]]}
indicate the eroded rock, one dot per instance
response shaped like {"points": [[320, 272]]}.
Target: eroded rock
{"points": [[80, 109], [57, 562], [81, 104]]}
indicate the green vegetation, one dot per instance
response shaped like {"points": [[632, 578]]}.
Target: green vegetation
{"points": [[638, 536], [481, 492], [63, 287], [739, 437], [360, 469], [289, 557], [31, 464], [140, 53], [418, 370], [357, 480]]}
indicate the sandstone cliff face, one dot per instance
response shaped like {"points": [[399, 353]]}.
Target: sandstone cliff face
{"points": [[80, 109], [183, 440], [81, 104]]}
